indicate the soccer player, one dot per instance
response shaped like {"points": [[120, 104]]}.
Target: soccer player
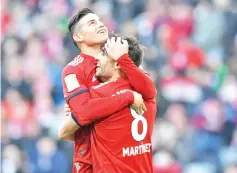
{"points": [[88, 33], [121, 142]]}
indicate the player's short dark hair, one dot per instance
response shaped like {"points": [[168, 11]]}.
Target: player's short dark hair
{"points": [[75, 19], [135, 49]]}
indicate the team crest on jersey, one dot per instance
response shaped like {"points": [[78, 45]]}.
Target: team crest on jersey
{"points": [[76, 61]]}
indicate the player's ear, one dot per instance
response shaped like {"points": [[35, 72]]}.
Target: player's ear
{"points": [[77, 37]]}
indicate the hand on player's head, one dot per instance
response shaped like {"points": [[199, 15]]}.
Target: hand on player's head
{"points": [[138, 104], [116, 47], [135, 49]]}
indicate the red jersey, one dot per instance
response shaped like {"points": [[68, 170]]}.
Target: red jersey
{"points": [[121, 143], [77, 77]]}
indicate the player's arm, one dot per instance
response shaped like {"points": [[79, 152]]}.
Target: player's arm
{"points": [[68, 129], [70, 126], [84, 113], [141, 82], [90, 111]]}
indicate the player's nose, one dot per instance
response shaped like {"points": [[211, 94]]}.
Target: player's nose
{"points": [[101, 25]]}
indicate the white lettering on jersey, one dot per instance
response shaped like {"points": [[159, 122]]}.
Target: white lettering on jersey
{"points": [[76, 61], [77, 166], [121, 92], [71, 82], [137, 150]]}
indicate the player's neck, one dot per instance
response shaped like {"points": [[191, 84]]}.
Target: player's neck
{"points": [[91, 51]]}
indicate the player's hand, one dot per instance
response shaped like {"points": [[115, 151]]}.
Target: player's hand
{"points": [[67, 109], [116, 47], [138, 104]]}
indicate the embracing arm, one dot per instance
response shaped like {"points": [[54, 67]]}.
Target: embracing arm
{"points": [[68, 129], [86, 111], [141, 82]]}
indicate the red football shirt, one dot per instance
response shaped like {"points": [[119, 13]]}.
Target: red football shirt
{"points": [[121, 143], [77, 77]]}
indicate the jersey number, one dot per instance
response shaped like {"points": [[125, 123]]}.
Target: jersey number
{"points": [[134, 128]]}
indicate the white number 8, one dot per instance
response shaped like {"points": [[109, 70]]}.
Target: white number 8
{"points": [[134, 128]]}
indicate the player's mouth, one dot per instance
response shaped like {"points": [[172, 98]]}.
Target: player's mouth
{"points": [[101, 31], [97, 67]]}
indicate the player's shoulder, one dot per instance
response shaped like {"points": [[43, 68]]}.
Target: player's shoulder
{"points": [[122, 85], [76, 61], [74, 66]]}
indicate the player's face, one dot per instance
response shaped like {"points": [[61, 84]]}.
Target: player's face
{"points": [[93, 31], [105, 66]]}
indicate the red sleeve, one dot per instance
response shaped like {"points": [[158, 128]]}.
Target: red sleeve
{"points": [[141, 82], [86, 110]]}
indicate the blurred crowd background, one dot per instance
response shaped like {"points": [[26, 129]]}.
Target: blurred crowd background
{"points": [[190, 52]]}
